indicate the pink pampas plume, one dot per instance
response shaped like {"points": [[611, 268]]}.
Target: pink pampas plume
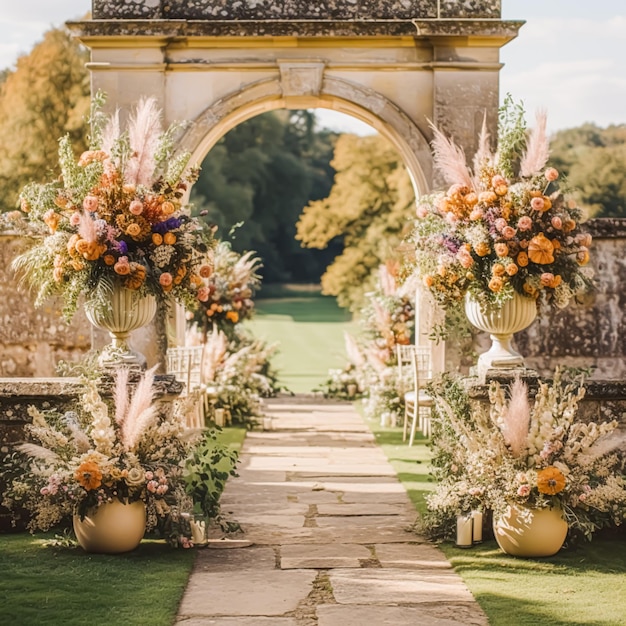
{"points": [[386, 280], [144, 131], [111, 132], [516, 419], [141, 411], [537, 148], [120, 395], [355, 356], [450, 159], [483, 153]]}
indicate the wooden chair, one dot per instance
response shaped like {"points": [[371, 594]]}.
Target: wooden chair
{"points": [[422, 374]]}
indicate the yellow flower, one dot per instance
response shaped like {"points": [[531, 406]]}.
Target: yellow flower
{"points": [[233, 316], [550, 481]]}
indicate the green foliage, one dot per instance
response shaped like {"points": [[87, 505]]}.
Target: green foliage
{"points": [[594, 161], [45, 97], [261, 174], [368, 209], [511, 135], [207, 469]]}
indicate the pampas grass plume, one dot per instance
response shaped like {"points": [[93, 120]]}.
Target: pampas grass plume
{"points": [[516, 419], [537, 148]]}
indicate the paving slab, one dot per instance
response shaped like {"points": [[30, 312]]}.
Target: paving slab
{"points": [[457, 615], [323, 556], [253, 558], [246, 593], [410, 556], [397, 586], [329, 533]]}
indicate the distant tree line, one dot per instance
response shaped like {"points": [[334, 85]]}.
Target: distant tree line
{"points": [[315, 205]]}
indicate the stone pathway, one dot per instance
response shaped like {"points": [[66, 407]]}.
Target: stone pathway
{"points": [[327, 525]]}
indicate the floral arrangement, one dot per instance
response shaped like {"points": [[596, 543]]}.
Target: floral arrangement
{"points": [[116, 216], [235, 374], [506, 227], [97, 452], [225, 295], [537, 456]]}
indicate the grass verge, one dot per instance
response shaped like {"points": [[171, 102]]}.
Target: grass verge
{"points": [[581, 585], [43, 585]]}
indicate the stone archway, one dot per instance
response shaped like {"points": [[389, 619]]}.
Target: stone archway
{"points": [[395, 64]]}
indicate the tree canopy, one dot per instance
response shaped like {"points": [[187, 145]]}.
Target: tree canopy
{"points": [[594, 161], [260, 175], [368, 210], [44, 98]]}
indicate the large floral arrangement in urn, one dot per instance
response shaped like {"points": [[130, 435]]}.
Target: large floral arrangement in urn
{"points": [[504, 226], [536, 454], [116, 216]]}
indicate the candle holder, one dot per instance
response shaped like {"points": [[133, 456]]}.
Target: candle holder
{"points": [[464, 531], [477, 527]]}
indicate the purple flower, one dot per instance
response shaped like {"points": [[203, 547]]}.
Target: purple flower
{"points": [[169, 224], [121, 247]]}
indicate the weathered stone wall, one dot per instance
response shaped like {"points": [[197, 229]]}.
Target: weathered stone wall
{"points": [[33, 341], [591, 333], [356, 10]]}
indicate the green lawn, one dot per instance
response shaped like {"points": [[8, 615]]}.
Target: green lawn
{"points": [[581, 586], [309, 330]]}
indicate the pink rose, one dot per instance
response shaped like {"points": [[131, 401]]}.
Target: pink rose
{"points": [[149, 475], [547, 279], [203, 294], [75, 219], [136, 207], [90, 203], [508, 232], [525, 223], [165, 280], [501, 224], [556, 222], [537, 204], [551, 174], [422, 211], [523, 491], [498, 180]]}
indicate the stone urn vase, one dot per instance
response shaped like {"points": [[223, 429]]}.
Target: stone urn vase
{"points": [[111, 528], [127, 310], [529, 532], [515, 315]]}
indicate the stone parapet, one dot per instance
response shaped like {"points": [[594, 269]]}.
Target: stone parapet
{"points": [[421, 29], [349, 10]]}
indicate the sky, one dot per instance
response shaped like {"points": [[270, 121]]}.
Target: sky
{"points": [[569, 58]]}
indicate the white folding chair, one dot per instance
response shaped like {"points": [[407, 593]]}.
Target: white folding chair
{"points": [[184, 363], [404, 357], [422, 374]]}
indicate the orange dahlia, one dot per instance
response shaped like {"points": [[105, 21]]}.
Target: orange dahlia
{"points": [[88, 475], [550, 481]]}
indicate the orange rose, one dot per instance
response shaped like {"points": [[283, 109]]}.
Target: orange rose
{"points": [[233, 316], [498, 269], [496, 284], [522, 259], [511, 269], [157, 239], [501, 249], [169, 239]]}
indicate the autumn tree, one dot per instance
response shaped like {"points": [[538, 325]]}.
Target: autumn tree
{"points": [[44, 98], [369, 211]]}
